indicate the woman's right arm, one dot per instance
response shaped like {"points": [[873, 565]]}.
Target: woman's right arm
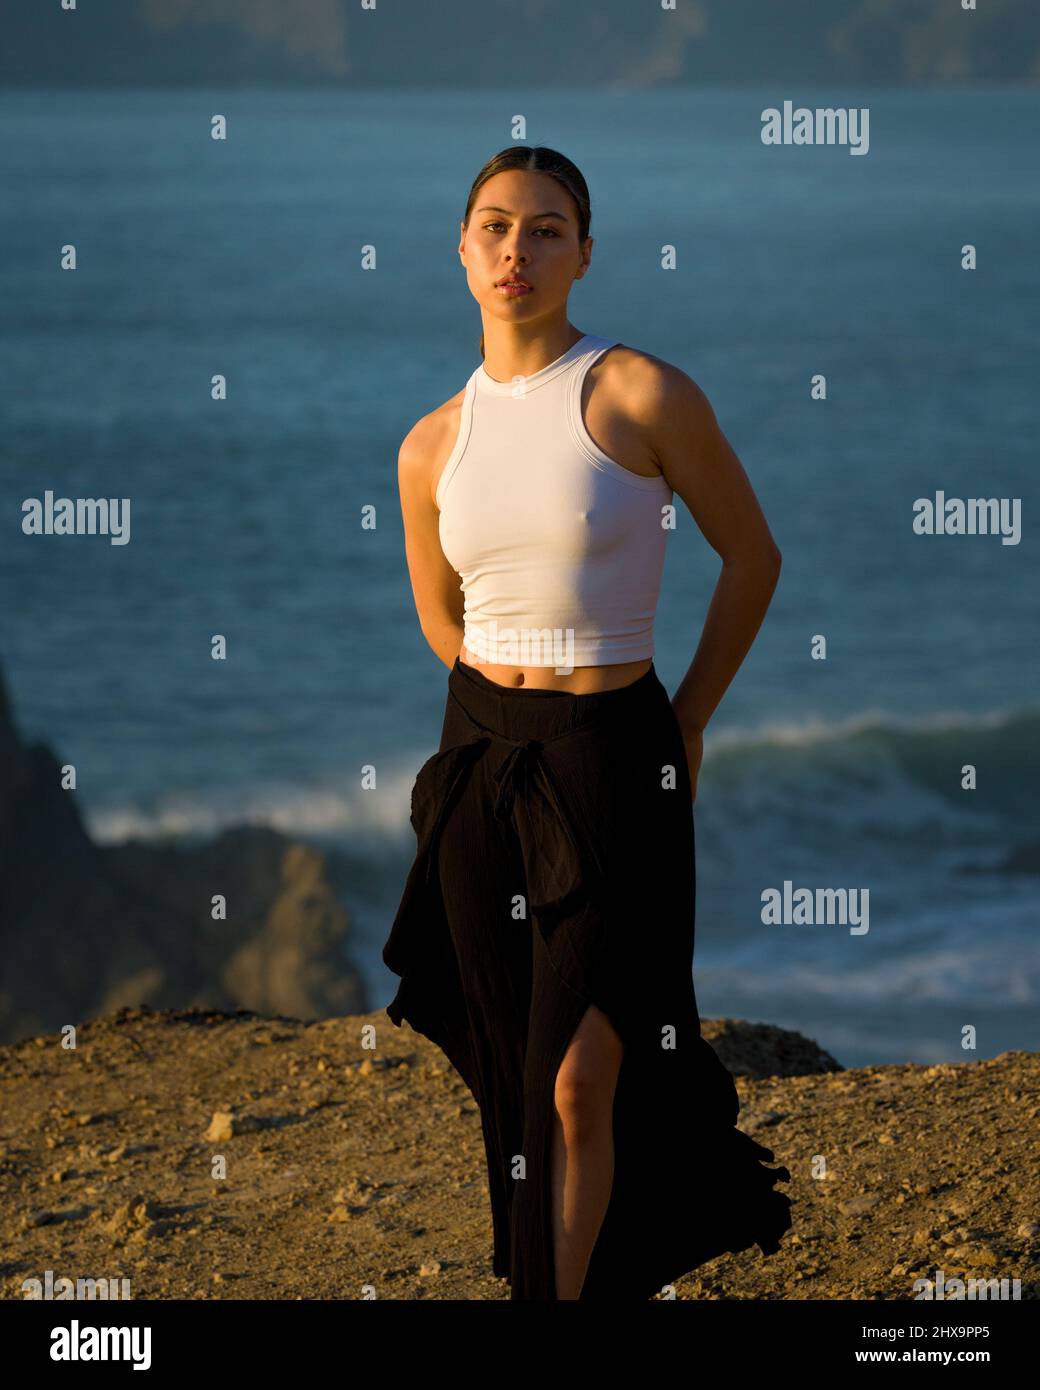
{"points": [[436, 588]]}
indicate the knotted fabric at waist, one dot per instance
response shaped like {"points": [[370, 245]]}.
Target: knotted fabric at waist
{"points": [[520, 766]]}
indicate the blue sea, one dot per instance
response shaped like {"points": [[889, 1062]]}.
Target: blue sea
{"points": [[243, 258]]}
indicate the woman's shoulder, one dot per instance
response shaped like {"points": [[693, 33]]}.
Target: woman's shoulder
{"points": [[645, 385], [429, 427], [425, 448]]}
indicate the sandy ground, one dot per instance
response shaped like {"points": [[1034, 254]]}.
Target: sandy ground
{"points": [[356, 1172]]}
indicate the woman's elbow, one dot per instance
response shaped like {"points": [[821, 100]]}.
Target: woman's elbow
{"points": [[764, 557]]}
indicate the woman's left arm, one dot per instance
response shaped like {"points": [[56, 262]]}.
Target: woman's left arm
{"points": [[700, 465]]}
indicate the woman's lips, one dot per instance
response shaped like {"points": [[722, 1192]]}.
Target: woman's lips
{"points": [[511, 290]]}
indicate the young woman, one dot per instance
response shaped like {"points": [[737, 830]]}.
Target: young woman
{"points": [[545, 934]]}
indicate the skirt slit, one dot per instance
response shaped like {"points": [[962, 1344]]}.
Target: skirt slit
{"points": [[533, 1227]]}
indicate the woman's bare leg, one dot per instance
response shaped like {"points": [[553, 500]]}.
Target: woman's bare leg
{"points": [[583, 1146]]}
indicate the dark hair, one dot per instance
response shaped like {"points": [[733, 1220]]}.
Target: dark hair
{"points": [[541, 160]]}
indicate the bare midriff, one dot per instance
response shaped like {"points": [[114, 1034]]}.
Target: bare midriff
{"points": [[582, 680]]}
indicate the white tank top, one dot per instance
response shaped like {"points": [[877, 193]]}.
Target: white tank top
{"points": [[560, 549]]}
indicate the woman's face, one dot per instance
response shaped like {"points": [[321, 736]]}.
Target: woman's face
{"points": [[523, 223]]}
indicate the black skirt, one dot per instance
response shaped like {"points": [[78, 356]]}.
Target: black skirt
{"points": [[554, 870]]}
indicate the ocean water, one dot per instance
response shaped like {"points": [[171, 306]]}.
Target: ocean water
{"points": [[243, 257]]}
